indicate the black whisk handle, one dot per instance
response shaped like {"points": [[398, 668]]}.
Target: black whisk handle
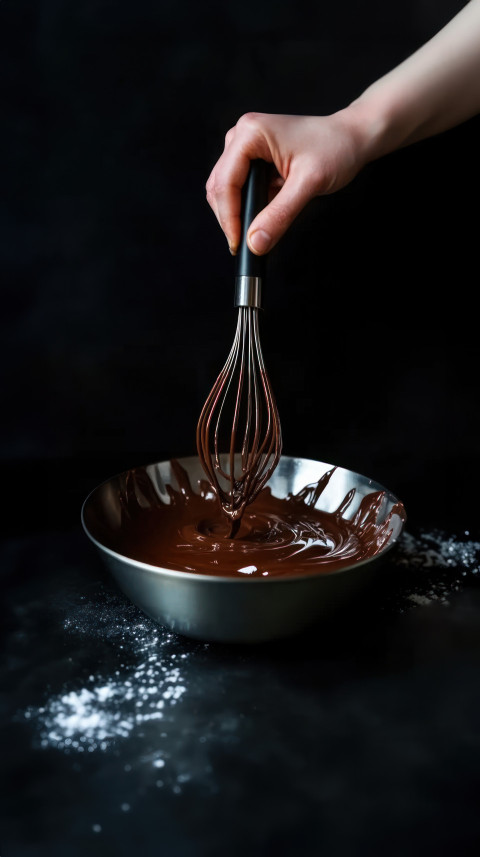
{"points": [[254, 199]]}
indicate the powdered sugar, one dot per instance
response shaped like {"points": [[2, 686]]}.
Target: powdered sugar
{"points": [[147, 676], [436, 564], [437, 548], [109, 707], [90, 718]]}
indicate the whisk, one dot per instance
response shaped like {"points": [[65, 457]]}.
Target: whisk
{"points": [[255, 442]]}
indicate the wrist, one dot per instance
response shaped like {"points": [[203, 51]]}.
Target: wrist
{"points": [[375, 125]]}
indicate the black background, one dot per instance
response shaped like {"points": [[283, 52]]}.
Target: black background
{"points": [[117, 282], [116, 317]]}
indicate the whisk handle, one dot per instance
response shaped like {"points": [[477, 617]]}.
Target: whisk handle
{"points": [[249, 268]]}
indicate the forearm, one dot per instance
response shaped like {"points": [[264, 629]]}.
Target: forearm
{"points": [[433, 90], [436, 88]]}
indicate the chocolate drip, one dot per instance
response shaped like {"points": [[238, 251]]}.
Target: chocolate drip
{"points": [[242, 400], [186, 530]]}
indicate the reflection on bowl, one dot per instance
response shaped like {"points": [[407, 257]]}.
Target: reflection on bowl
{"points": [[275, 579]]}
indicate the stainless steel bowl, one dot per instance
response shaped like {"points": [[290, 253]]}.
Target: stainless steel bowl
{"points": [[228, 609]]}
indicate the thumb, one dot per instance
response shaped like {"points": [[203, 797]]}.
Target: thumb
{"points": [[273, 221]]}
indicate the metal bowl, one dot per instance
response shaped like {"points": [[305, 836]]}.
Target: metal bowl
{"points": [[228, 609]]}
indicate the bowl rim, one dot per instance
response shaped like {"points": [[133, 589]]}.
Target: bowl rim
{"points": [[242, 581]]}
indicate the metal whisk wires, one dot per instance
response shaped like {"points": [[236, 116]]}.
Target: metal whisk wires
{"points": [[242, 393], [255, 442]]}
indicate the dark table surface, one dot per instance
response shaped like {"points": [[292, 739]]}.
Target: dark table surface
{"points": [[360, 736]]}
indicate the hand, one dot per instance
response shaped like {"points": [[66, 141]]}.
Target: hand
{"points": [[433, 90], [313, 155]]}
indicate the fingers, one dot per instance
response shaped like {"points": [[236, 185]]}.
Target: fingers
{"points": [[228, 195], [313, 155], [224, 197], [210, 186], [243, 144], [271, 223], [229, 136]]}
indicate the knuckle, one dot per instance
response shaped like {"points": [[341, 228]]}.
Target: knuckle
{"points": [[209, 188], [249, 119], [221, 188], [318, 177], [229, 135]]}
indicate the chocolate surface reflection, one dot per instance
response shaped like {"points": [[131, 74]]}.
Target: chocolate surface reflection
{"points": [[279, 537]]}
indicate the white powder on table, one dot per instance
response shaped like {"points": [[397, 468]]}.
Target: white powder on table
{"points": [[110, 707], [107, 708], [437, 564]]}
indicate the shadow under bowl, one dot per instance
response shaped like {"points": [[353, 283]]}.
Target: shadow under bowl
{"points": [[230, 609]]}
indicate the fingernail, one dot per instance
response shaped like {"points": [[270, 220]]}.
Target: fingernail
{"points": [[232, 248], [260, 241]]}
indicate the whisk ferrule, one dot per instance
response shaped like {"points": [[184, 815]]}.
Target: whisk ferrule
{"points": [[239, 462], [248, 291]]}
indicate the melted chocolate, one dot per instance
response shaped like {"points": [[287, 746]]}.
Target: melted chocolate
{"points": [[252, 418], [277, 537]]}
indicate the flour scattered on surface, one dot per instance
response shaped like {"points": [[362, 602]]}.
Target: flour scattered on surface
{"points": [[436, 565], [421, 600], [112, 706], [143, 668]]}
